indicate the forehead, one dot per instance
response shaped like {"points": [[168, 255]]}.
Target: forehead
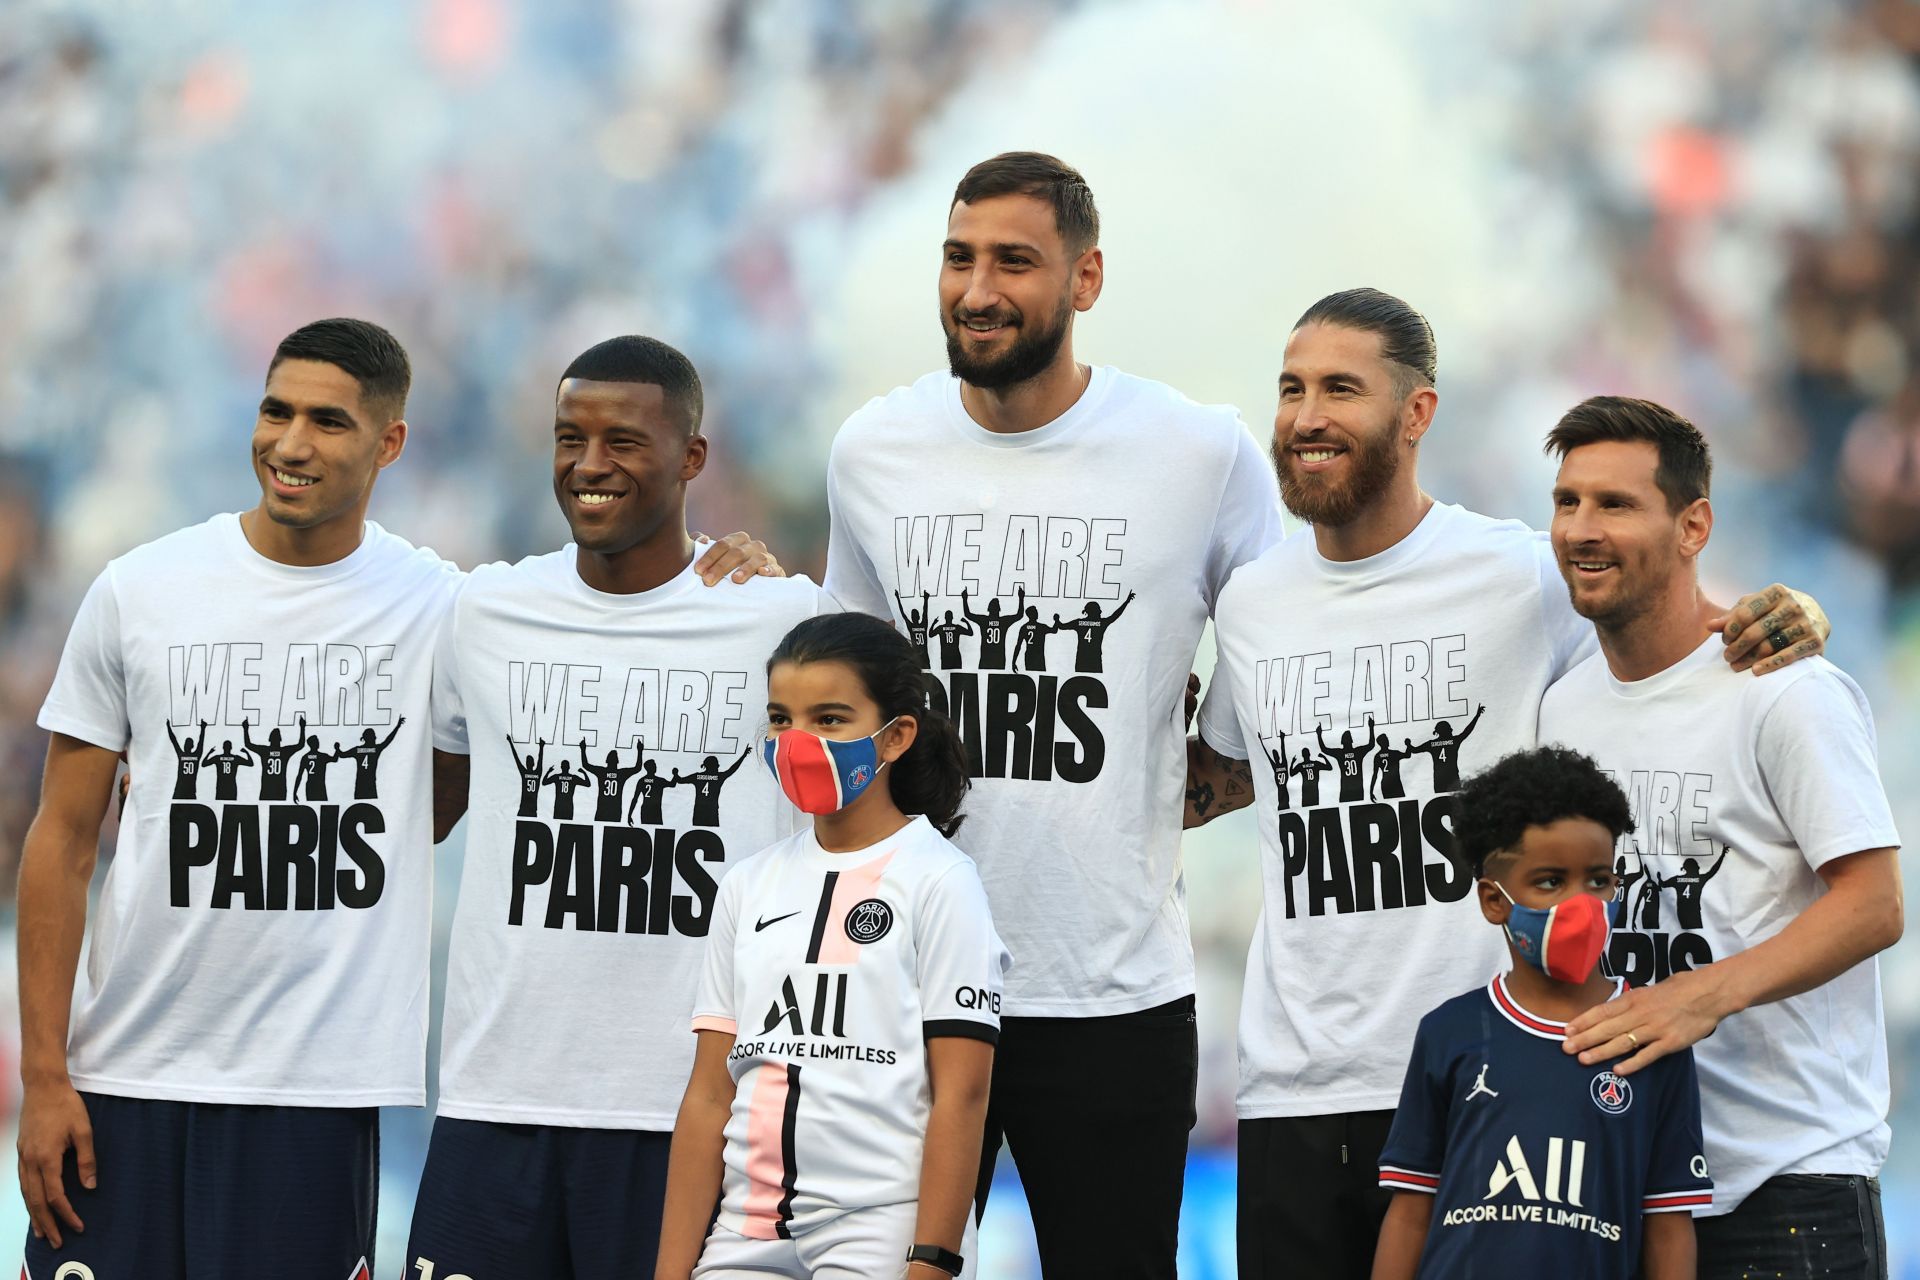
{"points": [[1317, 349], [1013, 219], [1568, 842], [1610, 464], [310, 383], [800, 684], [585, 402]]}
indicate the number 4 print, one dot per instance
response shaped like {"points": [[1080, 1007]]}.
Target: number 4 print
{"points": [[425, 1268]]}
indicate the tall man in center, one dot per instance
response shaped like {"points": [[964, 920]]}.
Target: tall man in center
{"points": [[577, 941], [1081, 492]]}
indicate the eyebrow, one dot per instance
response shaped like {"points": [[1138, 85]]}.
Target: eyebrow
{"points": [[1000, 247], [1622, 495], [816, 708], [1333, 376], [313, 411]]}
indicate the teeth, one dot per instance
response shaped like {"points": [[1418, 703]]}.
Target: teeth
{"points": [[594, 499], [1589, 565], [297, 482], [982, 326], [1316, 455]]}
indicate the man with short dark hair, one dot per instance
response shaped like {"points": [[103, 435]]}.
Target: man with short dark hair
{"points": [[1767, 964], [1400, 617], [1020, 474]]}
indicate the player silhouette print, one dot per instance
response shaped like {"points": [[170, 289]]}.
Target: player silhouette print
{"points": [[917, 627], [993, 629], [530, 771], [186, 780], [1386, 769], [1617, 909], [273, 757], [1347, 758], [366, 761], [1278, 760], [1687, 887], [949, 633], [648, 794], [612, 780], [1090, 628], [563, 780], [1444, 747], [1309, 770], [1030, 639], [706, 782], [226, 763], [310, 774]]}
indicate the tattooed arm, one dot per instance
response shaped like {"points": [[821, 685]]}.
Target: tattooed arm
{"points": [[1216, 784]]}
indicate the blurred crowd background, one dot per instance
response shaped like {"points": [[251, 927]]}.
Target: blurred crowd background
{"points": [[1711, 205]]}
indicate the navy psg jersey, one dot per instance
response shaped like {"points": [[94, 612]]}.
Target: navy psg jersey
{"points": [[1532, 1159]]}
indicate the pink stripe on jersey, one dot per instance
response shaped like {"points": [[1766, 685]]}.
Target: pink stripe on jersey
{"points": [[849, 891], [712, 1022], [766, 1157]]}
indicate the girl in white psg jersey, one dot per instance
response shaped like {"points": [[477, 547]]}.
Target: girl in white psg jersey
{"points": [[851, 997]]}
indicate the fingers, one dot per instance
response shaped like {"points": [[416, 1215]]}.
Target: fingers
{"points": [[36, 1202], [83, 1156], [1766, 624], [1804, 649]]}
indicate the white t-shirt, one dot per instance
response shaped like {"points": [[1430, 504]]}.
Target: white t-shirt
{"points": [[262, 935], [832, 971], [1115, 525], [1741, 789], [1443, 645], [591, 872]]}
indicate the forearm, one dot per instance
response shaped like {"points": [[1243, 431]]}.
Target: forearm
{"points": [[55, 867], [451, 772], [1403, 1236], [1667, 1248], [1216, 784], [695, 1167], [949, 1170]]}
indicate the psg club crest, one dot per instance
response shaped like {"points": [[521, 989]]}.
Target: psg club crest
{"points": [[1611, 1093], [859, 775], [869, 921]]}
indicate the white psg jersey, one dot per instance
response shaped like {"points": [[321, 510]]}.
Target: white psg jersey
{"points": [[832, 970]]}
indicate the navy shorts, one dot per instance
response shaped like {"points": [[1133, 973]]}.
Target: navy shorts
{"points": [[515, 1201], [215, 1191]]}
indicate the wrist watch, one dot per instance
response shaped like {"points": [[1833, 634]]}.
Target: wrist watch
{"points": [[935, 1256]]}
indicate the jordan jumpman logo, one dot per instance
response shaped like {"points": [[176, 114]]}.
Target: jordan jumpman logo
{"points": [[1480, 1086]]}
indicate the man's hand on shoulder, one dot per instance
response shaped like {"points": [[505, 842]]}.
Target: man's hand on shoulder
{"points": [[740, 555], [1772, 628]]}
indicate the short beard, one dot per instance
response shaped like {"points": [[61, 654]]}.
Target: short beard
{"points": [[1032, 352], [1375, 464]]}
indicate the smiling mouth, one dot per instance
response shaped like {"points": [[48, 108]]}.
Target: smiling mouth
{"points": [[290, 480], [594, 499], [1591, 566]]}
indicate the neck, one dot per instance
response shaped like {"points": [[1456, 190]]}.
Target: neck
{"points": [[641, 567], [1381, 526], [1030, 404], [1659, 635], [862, 824], [325, 543], [1552, 998]]}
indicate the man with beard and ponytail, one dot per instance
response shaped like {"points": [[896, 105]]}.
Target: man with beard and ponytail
{"points": [[576, 944], [1020, 474], [1396, 614]]}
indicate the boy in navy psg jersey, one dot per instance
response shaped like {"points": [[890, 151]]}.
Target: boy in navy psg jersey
{"points": [[1506, 1154]]}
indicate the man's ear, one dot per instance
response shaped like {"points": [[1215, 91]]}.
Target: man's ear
{"points": [[1493, 903]]}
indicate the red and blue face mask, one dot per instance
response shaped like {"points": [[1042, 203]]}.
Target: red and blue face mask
{"points": [[822, 775], [1564, 942]]}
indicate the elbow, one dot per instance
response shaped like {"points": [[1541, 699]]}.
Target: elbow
{"points": [[1891, 925]]}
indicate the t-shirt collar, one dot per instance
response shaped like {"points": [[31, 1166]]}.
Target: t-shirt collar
{"points": [[1078, 414]]}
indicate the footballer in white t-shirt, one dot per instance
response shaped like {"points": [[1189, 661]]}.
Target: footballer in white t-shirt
{"points": [[600, 702], [1763, 877]]}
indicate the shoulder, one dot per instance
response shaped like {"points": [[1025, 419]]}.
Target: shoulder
{"points": [[1254, 582], [898, 415], [796, 596], [1585, 680], [1809, 691], [183, 548], [501, 579], [1450, 1019], [1170, 416], [421, 567]]}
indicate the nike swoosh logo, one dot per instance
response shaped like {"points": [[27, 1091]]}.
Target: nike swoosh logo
{"points": [[761, 924]]}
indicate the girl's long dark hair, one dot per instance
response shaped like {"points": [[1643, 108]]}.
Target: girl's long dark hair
{"points": [[931, 778]]}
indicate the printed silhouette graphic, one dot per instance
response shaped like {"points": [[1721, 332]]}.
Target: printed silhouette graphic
{"points": [[612, 780], [993, 629], [1617, 909], [1278, 759], [1444, 747], [186, 781], [1309, 770], [1687, 886], [530, 770], [1386, 768], [1031, 639], [1347, 758], [1480, 1086], [226, 762], [648, 795], [949, 633], [1647, 905], [366, 759], [563, 780], [917, 626], [310, 778], [707, 782], [273, 757], [1090, 628]]}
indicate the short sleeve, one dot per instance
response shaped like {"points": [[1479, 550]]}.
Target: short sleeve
{"points": [[1247, 522], [1417, 1144], [959, 959], [851, 578], [1818, 756], [1219, 725], [1570, 638], [88, 699], [1677, 1177], [713, 1001], [449, 708]]}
